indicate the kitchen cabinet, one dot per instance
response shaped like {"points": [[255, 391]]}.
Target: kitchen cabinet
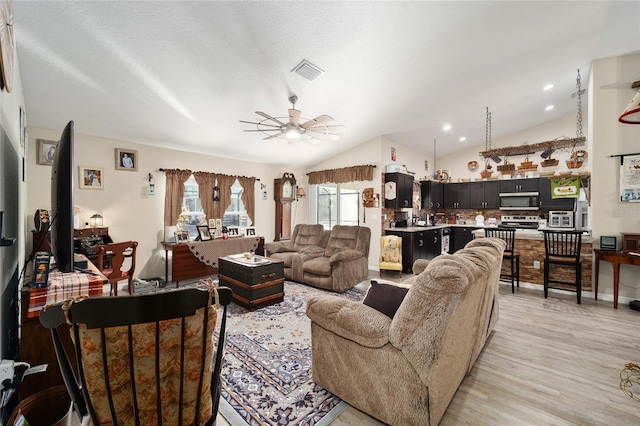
{"points": [[460, 236], [398, 191], [548, 203], [456, 196], [484, 195], [418, 245], [432, 193], [519, 185]]}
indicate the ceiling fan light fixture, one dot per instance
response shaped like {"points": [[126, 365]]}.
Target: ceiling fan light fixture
{"points": [[631, 114], [293, 132]]}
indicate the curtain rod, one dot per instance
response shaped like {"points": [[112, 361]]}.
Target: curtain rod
{"points": [[163, 170], [622, 156]]}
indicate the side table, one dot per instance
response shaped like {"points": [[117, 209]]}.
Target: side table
{"points": [[256, 283]]}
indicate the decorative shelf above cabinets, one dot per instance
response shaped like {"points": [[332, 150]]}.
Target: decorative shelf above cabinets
{"points": [[527, 149]]}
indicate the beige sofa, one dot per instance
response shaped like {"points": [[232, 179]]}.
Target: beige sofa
{"points": [[405, 370], [335, 260]]}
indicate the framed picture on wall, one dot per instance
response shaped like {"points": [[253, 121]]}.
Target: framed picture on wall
{"points": [[91, 177], [45, 152], [126, 159]]}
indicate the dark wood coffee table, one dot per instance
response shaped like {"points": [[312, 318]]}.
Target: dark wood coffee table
{"points": [[256, 283]]}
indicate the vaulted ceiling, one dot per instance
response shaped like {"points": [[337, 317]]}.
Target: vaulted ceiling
{"points": [[182, 74]]}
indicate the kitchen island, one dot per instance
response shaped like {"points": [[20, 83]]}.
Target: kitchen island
{"points": [[530, 245]]}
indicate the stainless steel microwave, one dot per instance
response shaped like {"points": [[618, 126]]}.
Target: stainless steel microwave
{"points": [[519, 201]]}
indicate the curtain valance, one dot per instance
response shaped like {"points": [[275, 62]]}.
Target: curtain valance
{"points": [[343, 175]]}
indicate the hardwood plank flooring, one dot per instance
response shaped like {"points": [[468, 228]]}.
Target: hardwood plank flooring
{"points": [[548, 362]]}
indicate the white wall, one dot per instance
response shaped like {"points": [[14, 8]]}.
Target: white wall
{"points": [[611, 91], [564, 127], [376, 152], [128, 211]]}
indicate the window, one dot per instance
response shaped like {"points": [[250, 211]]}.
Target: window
{"points": [[236, 214], [337, 206], [192, 214]]}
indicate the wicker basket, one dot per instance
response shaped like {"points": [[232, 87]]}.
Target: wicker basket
{"points": [[549, 162], [486, 174], [574, 163]]}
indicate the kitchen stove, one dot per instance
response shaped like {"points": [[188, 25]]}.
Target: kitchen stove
{"points": [[519, 222]]}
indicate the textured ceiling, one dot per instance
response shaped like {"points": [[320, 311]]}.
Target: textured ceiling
{"points": [[182, 74]]}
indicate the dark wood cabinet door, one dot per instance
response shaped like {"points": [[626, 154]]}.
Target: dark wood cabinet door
{"points": [[491, 194], [549, 203], [519, 185], [456, 196], [432, 195]]}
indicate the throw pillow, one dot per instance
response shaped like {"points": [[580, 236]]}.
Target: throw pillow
{"points": [[385, 297]]}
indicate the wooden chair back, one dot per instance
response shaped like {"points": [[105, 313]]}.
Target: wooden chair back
{"points": [[562, 245], [111, 258], [145, 359], [506, 234]]}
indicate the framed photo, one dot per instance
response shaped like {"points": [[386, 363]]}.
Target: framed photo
{"points": [[126, 159], [203, 233], [215, 232], [91, 177], [46, 151], [219, 223], [181, 236], [233, 231], [250, 231], [212, 223]]}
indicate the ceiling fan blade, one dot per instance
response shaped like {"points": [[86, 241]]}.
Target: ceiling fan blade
{"points": [[268, 117], [327, 129], [261, 130], [324, 135], [294, 116], [260, 124], [321, 119], [272, 136]]}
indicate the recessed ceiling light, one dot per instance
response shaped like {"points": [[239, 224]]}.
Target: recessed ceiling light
{"points": [[462, 139], [446, 127], [549, 108], [548, 87]]}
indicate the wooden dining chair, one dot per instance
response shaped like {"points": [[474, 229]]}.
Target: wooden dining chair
{"points": [[111, 261], [146, 359]]}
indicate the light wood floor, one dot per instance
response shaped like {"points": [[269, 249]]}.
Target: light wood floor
{"points": [[548, 362]]}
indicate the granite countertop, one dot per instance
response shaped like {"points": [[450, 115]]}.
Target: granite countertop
{"points": [[532, 234]]}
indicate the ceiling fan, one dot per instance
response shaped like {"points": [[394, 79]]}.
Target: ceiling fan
{"points": [[314, 130]]}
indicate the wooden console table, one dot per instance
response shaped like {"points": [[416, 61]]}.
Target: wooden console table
{"points": [[36, 346], [617, 258], [185, 265]]}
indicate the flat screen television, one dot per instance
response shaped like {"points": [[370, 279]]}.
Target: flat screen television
{"points": [[62, 201]]}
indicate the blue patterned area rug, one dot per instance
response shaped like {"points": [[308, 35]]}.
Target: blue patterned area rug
{"points": [[267, 372], [266, 376]]}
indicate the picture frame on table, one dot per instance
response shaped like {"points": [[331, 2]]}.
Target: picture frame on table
{"points": [[203, 233], [181, 236], [250, 231], [46, 151], [215, 232], [126, 159], [233, 231], [212, 223], [91, 177], [219, 223]]}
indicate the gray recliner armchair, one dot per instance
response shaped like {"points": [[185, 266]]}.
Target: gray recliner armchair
{"points": [[344, 262], [306, 241]]}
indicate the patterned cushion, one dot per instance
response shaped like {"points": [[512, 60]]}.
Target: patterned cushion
{"points": [[144, 342]]}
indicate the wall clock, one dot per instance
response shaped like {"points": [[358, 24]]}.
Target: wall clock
{"points": [[6, 44], [472, 166]]}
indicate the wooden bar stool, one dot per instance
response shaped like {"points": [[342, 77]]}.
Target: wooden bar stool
{"points": [[562, 248], [509, 237]]}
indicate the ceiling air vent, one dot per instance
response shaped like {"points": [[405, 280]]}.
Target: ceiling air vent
{"points": [[307, 70]]}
